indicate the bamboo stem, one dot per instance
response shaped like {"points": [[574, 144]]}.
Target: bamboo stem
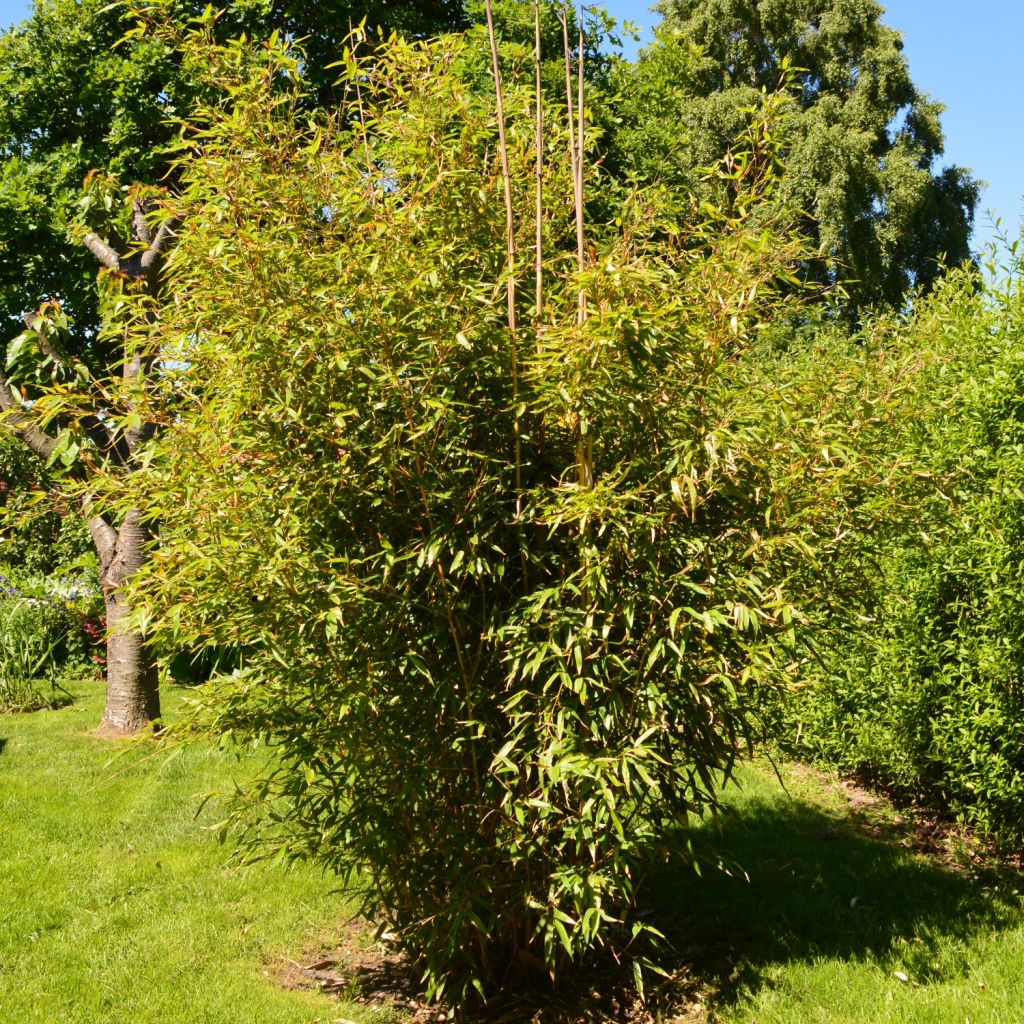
{"points": [[588, 453], [538, 297], [362, 118], [570, 106], [580, 240], [584, 447], [539, 145], [510, 253]]}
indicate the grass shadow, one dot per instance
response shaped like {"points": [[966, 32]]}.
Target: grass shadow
{"points": [[3, 743], [818, 885]]}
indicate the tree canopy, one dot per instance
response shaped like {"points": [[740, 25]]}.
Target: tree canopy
{"points": [[81, 92], [865, 157]]}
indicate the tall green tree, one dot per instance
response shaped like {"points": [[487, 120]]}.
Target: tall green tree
{"points": [[865, 157], [75, 106], [85, 95]]}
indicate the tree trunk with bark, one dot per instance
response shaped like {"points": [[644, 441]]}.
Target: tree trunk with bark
{"points": [[133, 694], [133, 698]]}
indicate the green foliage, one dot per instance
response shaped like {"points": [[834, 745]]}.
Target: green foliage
{"points": [[36, 538], [48, 632], [863, 158], [508, 598], [81, 92], [29, 637], [72, 101], [924, 696]]}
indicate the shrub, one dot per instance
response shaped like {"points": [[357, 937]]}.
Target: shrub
{"points": [[31, 635], [923, 695], [505, 594], [49, 631], [49, 589]]}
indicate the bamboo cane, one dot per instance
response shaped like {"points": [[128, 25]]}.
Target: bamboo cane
{"points": [[510, 252], [539, 194], [587, 474], [584, 449]]}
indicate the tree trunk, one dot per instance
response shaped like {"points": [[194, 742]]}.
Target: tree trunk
{"points": [[133, 699], [133, 695]]}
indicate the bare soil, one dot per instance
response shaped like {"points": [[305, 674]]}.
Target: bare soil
{"points": [[358, 968]]}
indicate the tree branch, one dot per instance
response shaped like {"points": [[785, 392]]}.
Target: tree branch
{"points": [[140, 226], [106, 441], [156, 247], [103, 252], [104, 536], [22, 424]]}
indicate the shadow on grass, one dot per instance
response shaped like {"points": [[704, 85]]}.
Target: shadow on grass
{"points": [[814, 885], [817, 885], [3, 743]]}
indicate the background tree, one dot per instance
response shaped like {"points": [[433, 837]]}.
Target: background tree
{"points": [[864, 157], [85, 94], [64, 414]]}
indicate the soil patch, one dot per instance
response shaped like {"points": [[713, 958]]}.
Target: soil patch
{"points": [[357, 968], [921, 830]]}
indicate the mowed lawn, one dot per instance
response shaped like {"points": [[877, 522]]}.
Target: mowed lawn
{"points": [[118, 905], [832, 915]]}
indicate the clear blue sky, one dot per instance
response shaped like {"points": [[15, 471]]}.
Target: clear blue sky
{"points": [[968, 55]]}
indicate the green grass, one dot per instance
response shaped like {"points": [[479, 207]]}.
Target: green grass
{"points": [[835, 905], [116, 904]]}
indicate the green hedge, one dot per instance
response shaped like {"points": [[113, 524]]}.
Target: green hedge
{"points": [[921, 690]]}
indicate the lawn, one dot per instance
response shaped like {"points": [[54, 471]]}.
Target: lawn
{"points": [[118, 904], [841, 919]]}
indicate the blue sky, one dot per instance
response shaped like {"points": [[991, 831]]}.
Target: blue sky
{"points": [[965, 54]]}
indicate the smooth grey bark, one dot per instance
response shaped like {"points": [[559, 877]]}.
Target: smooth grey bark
{"points": [[133, 696]]}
